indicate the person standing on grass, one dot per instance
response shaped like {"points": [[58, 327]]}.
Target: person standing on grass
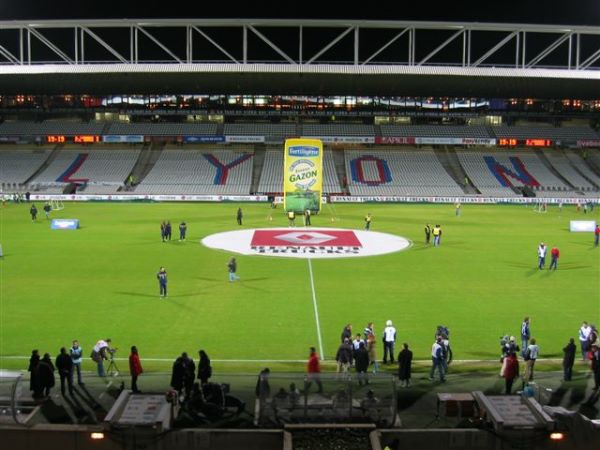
{"points": [[168, 230], [372, 350], [239, 216], [64, 364], [525, 334], [569, 359], [33, 211], [368, 220], [77, 356], [344, 358], [361, 363], [47, 209], [161, 276], [232, 269], [404, 365], [291, 218], [541, 252], [427, 233], [554, 254], [163, 231], [511, 371], [597, 235], [437, 235], [307, 214], [182, 231], [135, 368], [313, 368]]}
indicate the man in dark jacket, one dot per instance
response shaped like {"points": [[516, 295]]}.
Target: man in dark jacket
{"points": [[569, 359], [46, 374], [404, 365], [344, 357], [361, 362], [64, 365]]}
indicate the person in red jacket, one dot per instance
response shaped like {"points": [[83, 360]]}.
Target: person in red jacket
{"points": [[135, 369], [313, 367], [554, 254], [511, 371]]}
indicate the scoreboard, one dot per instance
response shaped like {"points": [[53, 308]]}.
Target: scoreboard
{"points": [[77, 139], [513, 142]]}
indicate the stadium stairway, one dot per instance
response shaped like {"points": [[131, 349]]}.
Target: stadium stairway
{"points": [[540, 154], [339, 161], [449, 161], [257, 166], [51, 157], [146, 160], [593, 162]]}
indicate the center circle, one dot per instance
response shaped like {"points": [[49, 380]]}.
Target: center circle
{"points": [[307, 242]]}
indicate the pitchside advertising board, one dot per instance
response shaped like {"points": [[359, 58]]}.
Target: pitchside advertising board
{"points": [[302, 175]]}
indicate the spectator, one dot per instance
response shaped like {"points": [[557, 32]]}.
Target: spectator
{"points": [[263, 389], [99, 354], [511, 371], [34, 382], [182, 374], [569, 359], [64, 365], [368, 331], [343, 358], [135, 369], [347, 332], [204, 367], [46, 374], [362, 364], [404, 365], [437, 360], [372, 350], [595, 354], [77, 356], [389, 337], [313, 369], [584, 334], [525, 334], [531, 355]]}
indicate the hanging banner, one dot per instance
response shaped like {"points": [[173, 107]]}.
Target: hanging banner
{"points": [[302, 175]]}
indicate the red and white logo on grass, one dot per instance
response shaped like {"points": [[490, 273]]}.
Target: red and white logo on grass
{"points": [[307, 242]]}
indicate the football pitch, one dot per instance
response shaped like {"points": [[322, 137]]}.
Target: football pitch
{"points": [[100, 281]]}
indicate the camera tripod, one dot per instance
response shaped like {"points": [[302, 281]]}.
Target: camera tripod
{"points": [[112, 369]]}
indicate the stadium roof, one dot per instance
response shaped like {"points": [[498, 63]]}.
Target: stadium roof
{"points": [[303, 57]]}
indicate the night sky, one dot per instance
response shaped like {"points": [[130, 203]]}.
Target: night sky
{"points": [[574, 12]]}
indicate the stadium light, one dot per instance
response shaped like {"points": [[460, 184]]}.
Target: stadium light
{"points": [[97, 436], [557, 436]]}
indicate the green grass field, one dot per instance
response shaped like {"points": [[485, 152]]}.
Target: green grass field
{"points": [[99, 281]]}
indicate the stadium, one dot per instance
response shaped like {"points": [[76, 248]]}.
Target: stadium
{"points": [[487, 134]]}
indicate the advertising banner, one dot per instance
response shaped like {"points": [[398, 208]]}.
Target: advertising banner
{"points": [[302, 175], [245, 139], [64, 224], [122, 138], [202, 139], [397, 140], [345, 139]]}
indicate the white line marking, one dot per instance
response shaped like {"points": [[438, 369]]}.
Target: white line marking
{"points": [[314, 299]]}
